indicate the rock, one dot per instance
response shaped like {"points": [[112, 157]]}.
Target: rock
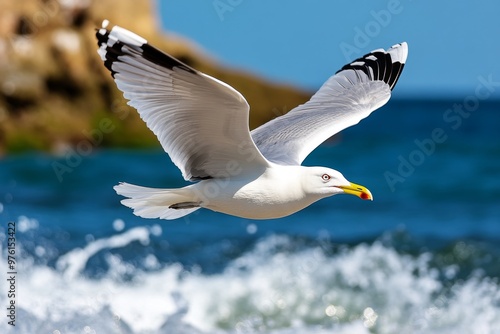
{"points": [[54, 87]]}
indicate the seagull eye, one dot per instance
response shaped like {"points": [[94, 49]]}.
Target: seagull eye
{"points": [[325, 177]]}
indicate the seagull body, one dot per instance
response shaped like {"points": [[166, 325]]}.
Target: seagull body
{"points": [[276, 192], [202, 124]]}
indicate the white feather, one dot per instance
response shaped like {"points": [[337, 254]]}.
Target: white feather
{"points": [[155, 203], [344, 100]]}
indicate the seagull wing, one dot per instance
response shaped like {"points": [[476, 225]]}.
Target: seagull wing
{"points": [[346, 98], [201, 122]]}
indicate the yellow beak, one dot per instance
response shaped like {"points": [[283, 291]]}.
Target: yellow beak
{"points": [[357, 190]]}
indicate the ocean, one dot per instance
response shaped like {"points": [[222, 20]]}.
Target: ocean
{"points": [[423, 257]]}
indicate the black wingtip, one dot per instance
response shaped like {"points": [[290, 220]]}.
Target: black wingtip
{"points": [[382, 65], [105, 51], [161, 58], [125, 42]]}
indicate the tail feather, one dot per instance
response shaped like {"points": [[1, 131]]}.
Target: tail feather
{"points": [[157, 203]]}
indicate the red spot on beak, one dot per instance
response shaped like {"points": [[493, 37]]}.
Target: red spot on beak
{"points": [[364, 195]]}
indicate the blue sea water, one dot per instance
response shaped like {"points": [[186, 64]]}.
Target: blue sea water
{"points": [[423, 257]]}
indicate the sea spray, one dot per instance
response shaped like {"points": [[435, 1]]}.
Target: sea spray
{"points": [[275, 287]]}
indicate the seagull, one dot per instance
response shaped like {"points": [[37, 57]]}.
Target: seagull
{"points": [[202, 124]]}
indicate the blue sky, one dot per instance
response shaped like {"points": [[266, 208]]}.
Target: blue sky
{"points": [[451, 43]]}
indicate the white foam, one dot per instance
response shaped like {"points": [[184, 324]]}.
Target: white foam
{"points": [[118, 225], [271, 289], [25, 224], [296, 289], [251, 228], [73, 262], [156, 230]]}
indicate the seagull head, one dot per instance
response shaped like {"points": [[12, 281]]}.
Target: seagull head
{"points": [[325, 182]]}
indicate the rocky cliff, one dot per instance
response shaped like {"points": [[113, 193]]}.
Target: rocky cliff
{"points": [[55, 92]]}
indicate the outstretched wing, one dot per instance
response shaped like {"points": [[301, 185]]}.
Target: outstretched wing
{"points": [[346, 98], [201, 122]]}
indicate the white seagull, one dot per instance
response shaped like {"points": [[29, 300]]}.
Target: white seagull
{"points": [[202, 124]]}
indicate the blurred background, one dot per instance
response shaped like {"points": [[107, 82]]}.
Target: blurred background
{"points": [[423, 257]]}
